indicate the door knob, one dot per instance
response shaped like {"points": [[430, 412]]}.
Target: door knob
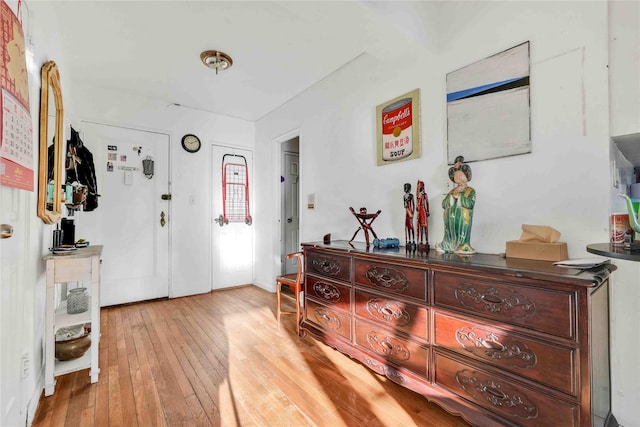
{"points": [[162, 221], [289, 220], [7, 231]]}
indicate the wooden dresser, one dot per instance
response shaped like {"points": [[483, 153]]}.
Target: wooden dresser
{"points": [[497, 341]]}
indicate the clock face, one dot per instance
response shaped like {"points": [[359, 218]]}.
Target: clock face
{"points": [[191, 143]]}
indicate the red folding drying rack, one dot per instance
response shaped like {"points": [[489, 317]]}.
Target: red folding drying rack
{"points": [[235, 190]]}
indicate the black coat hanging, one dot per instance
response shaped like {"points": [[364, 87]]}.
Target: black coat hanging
{"points": [[80, 168]]}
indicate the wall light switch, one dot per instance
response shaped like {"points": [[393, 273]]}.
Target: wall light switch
{"points": [[25, 366], [311, 201], [128, 177]]}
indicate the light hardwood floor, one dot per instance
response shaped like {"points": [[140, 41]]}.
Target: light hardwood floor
{"points": [[221, 359]]}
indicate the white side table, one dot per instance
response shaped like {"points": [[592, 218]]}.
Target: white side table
{"points": [[81, 265]]}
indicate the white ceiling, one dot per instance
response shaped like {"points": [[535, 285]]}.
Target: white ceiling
{"points": [[279, 49]]}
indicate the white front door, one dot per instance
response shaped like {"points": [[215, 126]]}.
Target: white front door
{"points": [[132, 220], [232, 242]]}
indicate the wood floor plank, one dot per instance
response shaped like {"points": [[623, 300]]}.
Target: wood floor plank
{"points": [[221, 359], [63, 390], [127, 361]]}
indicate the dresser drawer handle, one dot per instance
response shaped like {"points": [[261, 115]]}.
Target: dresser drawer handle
{"points": [[494, 392], [329, 320], [387, 311], [514, 402], [387, 278], [493, 345], [492, 299], [327, 292], [487, 345], [327, 266], [382, 345], [511, 303]]}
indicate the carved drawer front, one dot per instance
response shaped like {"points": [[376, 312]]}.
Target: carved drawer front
{"points": [[408, 318], [410, 282], [328, 292], [328, 320], [513, 401], [388, 346], [533, 359], [544, 310], [329, 265]]}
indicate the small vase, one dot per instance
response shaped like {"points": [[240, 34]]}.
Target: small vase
{"points": [[77, 301]]}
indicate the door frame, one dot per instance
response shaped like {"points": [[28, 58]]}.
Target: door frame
{"points": [[278, 144]]}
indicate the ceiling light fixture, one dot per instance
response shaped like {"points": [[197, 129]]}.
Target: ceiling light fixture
{"points": [[217, 60]]}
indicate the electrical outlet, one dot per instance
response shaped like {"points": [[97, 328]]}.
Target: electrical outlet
{"points": [[24, 366]]}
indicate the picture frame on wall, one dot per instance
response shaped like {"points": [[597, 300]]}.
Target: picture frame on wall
{"points": [[488, 107], [398, 129]]}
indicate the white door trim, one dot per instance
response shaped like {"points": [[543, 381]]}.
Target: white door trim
{"points": [[277, 171]]}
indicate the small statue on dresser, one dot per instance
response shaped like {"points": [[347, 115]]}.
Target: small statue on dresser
{"points": [[409, 209], [423, 214], [362, 218], [458, 211]]}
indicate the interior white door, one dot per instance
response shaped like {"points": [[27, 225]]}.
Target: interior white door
{"points": [[132, 219], [232, 241], [12, 299], [290, 220]]}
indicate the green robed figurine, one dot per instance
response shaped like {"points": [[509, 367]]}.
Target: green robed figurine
{"points": [[458, 211]]}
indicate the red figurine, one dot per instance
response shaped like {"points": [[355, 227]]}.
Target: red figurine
{"points": [[423, 213]]}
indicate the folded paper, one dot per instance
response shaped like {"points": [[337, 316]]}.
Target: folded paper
{"points": [[539, 233]]}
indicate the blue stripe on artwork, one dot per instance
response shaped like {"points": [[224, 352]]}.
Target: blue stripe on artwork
{"points": [[471, 91]]}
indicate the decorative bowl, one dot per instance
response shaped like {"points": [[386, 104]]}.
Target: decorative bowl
{"points": [[72, 349]]}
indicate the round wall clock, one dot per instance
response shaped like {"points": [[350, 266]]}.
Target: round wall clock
{"points": [[191, 143]]}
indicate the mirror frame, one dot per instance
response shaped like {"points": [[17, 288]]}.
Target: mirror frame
{"points": [[50, 79]]}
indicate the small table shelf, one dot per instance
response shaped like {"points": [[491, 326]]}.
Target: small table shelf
{"points": [[614, 251], [82, 265]]}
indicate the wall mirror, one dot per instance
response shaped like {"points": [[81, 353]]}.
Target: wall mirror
{"points": [[51, 149]]}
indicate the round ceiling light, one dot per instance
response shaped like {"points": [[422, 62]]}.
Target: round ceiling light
{"points": [[216, 60]]}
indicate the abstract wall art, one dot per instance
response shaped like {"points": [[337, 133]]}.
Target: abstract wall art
{"points": [[488, 107]]}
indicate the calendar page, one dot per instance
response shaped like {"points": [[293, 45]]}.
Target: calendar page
{"points": [[16, 134]]}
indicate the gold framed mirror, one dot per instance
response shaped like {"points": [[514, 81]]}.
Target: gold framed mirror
{"points": [[50, 171]]}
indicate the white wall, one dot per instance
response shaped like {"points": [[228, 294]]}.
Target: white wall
{"points": [[563, 183]]}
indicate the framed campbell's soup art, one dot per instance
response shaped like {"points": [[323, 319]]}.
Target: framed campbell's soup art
{"points": [[398, 129]]}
